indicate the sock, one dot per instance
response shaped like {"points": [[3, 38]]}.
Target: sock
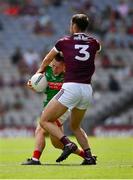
{"points": [[36, 155], [65, 140], [82, 153], [87, 153]]}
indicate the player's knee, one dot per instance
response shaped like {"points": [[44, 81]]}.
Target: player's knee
{"points": [[43, 120], [42, 123], [39, 131]]}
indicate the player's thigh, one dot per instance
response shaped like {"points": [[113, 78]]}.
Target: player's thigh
{"points": [[56, 142], [53, 110], [77, 116]]}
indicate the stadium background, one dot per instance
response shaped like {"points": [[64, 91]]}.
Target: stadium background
{"points": [[29, 28]]}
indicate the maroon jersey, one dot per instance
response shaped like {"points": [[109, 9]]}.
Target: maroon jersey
{"points": [[79, 53]]}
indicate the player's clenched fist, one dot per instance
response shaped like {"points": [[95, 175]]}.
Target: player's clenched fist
{"points": [[29, 85]]}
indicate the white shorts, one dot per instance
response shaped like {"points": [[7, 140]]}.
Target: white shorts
{"points": [[75, 95]]}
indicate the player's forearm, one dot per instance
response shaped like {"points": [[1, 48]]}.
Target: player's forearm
{"points": [[46, 61], [43, 66]]}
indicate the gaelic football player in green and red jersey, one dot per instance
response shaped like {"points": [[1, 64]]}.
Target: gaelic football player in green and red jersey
{"points": [[55, 77]]}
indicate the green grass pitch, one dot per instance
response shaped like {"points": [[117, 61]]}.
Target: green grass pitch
{"points": [[115, 160]]}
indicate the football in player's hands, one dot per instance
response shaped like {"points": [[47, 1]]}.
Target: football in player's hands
{"points": [[38, 82]]}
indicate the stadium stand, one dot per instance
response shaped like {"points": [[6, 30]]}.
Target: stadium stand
{"points": [[34, 26]]}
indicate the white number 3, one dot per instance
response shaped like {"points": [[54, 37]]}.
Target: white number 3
{"points": [[83, 51]]}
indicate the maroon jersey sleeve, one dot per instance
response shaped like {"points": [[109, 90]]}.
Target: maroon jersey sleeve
{"points": [[98, 46], [59, 44]]}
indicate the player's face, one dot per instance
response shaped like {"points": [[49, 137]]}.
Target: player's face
{"points": [[58, 67]]}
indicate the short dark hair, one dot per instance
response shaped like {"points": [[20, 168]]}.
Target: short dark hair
{"points": [[59, 58], [81, 20]]}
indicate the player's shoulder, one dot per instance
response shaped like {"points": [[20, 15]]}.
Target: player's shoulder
{"points": [[95, 42], [93, 39], [65, 38]]}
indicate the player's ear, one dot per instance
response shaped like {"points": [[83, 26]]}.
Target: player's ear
{"points": [[74, 28]]}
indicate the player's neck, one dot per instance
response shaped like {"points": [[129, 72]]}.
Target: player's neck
{"points": [[79, 33]]}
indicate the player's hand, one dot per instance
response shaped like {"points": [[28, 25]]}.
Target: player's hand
{"points": [[30, 86]]}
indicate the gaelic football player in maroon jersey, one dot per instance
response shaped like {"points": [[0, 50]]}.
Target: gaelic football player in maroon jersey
{"points": [[79, 50]]}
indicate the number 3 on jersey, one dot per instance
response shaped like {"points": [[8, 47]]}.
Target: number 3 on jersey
{"points": [[82, 51]]}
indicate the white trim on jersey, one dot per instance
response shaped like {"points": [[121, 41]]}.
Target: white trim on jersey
{"points": [[99, 48]]}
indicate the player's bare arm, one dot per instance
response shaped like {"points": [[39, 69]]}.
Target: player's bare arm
{"points": [[47, 60]]}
